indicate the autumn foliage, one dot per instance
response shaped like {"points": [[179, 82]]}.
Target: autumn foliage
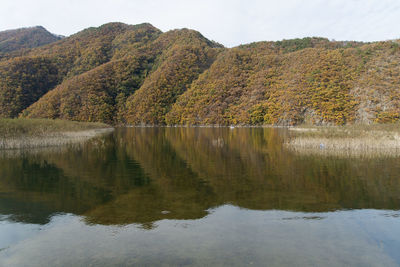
{"points": [[135, 74]]}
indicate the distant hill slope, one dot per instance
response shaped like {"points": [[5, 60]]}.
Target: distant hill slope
{"points": [[255, 84], [12, 40], [136, 74], [103, 72]]}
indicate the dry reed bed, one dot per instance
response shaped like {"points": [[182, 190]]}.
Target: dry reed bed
{"points": [[368, 153], [345, 141], [345, 147], [51, 139]]}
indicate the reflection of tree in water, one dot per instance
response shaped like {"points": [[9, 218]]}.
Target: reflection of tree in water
{"points": [[174, 192], [142, 175], [252, 170]]}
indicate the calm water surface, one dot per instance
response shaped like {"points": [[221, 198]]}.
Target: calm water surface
{"points": [[196, 197]]}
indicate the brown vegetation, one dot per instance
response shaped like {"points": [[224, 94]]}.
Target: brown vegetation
{"points": [[33, 133], [25, 38], [135, 74], [355, 140]]}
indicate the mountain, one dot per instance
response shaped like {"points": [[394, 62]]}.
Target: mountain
{"points": [[256, 84], [136, 74], [104, 71], [25, 38]]}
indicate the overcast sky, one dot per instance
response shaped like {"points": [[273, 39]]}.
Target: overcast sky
{"points": [[230, 22]]}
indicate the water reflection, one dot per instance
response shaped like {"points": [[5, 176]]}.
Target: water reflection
{"points": [[142, 175], [199, 197]]}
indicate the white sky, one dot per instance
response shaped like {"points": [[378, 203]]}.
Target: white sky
{"points": [[230, 22]]}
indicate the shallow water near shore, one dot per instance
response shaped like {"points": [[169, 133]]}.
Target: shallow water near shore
{"points": [[197, 197]]}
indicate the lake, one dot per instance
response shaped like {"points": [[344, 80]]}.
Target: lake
{"points": [[196, 197]]}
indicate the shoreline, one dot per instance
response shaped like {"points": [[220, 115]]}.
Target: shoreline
{"points": [[349, 139], [202, 126], [375, 140], [51, 139], [354, 147]]}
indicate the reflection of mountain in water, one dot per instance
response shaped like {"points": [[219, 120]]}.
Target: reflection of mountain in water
{"points": [[142, 175]]}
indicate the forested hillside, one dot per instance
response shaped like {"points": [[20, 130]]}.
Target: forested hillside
{"points": [[136, 74], [25, 38], [254, 84]]}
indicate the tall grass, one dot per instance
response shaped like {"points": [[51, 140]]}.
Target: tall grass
{"points": [[32, 133], [351, 131], [23, 127], [378, 139]]}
